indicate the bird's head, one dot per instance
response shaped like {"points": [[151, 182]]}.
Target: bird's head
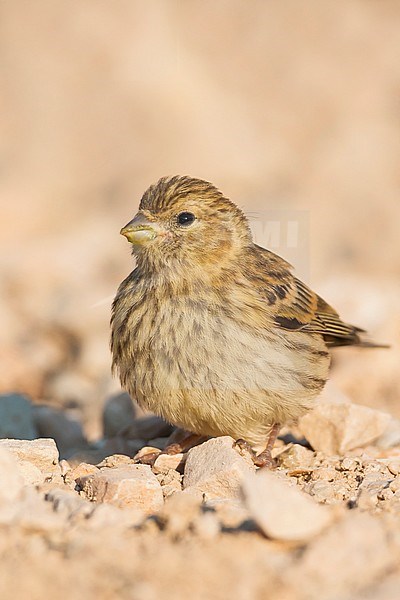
{"points": [[186, 220]]}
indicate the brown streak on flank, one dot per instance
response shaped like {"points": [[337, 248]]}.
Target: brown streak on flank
{"points": [[308, 348], [310, 382], [270, 297], [321, 353]]}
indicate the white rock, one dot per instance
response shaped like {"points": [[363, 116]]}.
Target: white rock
{"points": [[133, 486], [166, 462], [337, 427], [206, 526], [11, 482], [107, 515], [353, 554], [115, 460], [394, 466], [281, 510], [34, 457], [30, 473], [179, 513], [230, 513], [391, 436], [216, 468], [16, 417], [295, 456], [70, 503], [37, 516]]}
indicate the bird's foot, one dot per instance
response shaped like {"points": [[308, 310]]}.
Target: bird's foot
{"points": [[264, 460], [148, 458], [244, 448], [172, 449], [179, 442]]}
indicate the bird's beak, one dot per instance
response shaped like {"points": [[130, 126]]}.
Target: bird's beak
{"points": [[140, 230]]}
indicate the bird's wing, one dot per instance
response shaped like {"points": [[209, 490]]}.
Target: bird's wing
{"points": [[304, 310], [297, 308]]}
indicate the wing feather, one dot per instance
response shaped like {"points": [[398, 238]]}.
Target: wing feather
{"points": [[297, 308]]}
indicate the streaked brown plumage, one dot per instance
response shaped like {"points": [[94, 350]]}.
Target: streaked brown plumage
{"points": [[211, 331]]}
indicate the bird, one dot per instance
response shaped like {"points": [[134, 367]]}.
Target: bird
{"points": [[212, 332]]}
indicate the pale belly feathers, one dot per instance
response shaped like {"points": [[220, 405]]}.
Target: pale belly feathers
{"points": [[209, 375]]}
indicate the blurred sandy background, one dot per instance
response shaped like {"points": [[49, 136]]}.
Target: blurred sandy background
{"points": [[288, 106]]}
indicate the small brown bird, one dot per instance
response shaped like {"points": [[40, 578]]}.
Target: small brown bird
{"points": [[212, 332]]}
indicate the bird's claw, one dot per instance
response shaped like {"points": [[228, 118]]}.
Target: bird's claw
{"points": [[147, 459], [262, 460]]}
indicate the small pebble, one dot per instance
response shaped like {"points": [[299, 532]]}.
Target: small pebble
{"points": [[349, 464], [394, 467]]}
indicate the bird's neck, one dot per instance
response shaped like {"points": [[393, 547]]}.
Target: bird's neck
{"points": [[183, 275]]}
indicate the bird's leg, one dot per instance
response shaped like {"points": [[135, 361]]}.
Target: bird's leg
{"points": [[264, 459], [181, 441], [147, 459]]}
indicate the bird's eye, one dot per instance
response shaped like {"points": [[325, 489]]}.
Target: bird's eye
{"points": [[185, 218]]}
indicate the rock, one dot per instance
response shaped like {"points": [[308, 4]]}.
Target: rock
{"points": [[133, 486], [70, 503], [281, 510], [295, 457], [30, 473], [166, 462], [66, 432], [372, 486], [377, 467], [391, 435], [78, 472], [118, 413], [11, 482], [179, 513], [34, 515], [37, 460], [16, 417], [107, 515], [337, 427], [324, 473], [206, 526], [231, 513], [350, 464], [216, 468], [322, 491], [351, 555], [65, 467], [147, 450], [386, 494], [170, 482], [116, 460], [395, 485], [394, 466]]}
